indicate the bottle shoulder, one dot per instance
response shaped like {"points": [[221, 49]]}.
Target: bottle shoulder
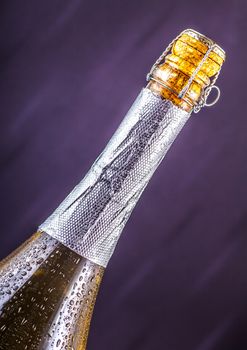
{"points": [[53, 305]]}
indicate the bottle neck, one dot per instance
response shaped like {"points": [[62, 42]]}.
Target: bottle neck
{"points": [[91, 218]]}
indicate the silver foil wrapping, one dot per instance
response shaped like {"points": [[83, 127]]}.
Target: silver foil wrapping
{"points": [[90, 220]]}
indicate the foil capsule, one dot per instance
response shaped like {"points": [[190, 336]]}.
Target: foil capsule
{"points": [[90, 220]]}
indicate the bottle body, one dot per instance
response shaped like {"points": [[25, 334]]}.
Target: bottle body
{"points": [[49, 293]]}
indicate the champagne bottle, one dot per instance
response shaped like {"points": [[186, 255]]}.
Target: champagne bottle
{"points": [[49, 285]]}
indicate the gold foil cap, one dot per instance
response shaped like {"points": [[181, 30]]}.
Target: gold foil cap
{"points": [[187, 70]]}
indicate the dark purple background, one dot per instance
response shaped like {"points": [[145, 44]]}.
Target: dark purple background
{"points": [[69, 72]]}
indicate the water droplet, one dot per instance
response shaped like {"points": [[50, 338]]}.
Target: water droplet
{"points": [[3, 327], [92, 278], [40, 260]]}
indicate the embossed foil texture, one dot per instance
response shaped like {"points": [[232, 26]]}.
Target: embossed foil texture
{"points": [[91, 218]]}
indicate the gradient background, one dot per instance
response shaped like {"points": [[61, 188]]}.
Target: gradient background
{"points": [[69, 72]]}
